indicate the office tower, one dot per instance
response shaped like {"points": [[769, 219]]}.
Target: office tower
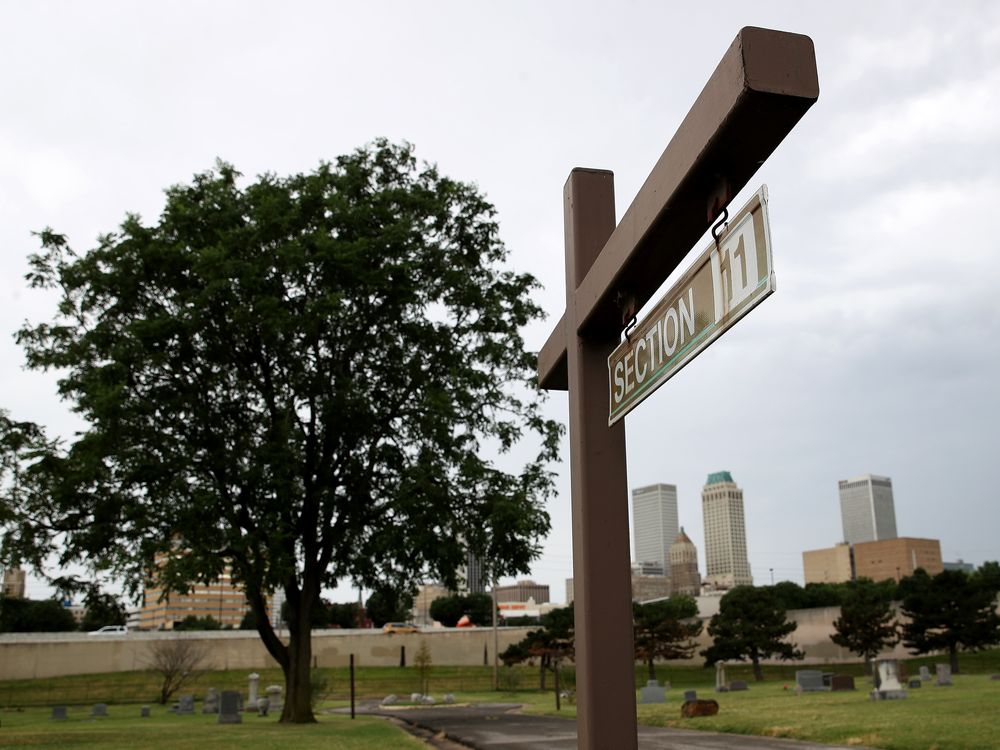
{"points": [[684, 577], [866, 509], [725, 533], [654, 523], [829, 565], [473, 575], [222, 600], [897, 558], [13, 583], [522, 591]]}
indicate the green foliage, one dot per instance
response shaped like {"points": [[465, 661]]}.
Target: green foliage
{"points": [[31, 616], [302, 377], [550, 644], [949, 611], [102, 609], [193, 622], [665, 630], [448, 610], [867, 623], [750, 624], [387, 605], [24, 451], [988, 575]]}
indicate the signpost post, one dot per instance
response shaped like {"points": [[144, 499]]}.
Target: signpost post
{"points": [[763, 85]]}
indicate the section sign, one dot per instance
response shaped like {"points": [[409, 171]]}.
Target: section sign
{"points": [[730, 278]]}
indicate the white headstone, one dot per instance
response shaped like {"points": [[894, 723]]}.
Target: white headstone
{"points": [[254, 688], [943, 674]]}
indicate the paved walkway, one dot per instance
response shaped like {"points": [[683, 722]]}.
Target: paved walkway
{"points": [[500, 726]]}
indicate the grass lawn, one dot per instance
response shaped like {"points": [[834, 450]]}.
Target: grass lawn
{"points": [[124, 730], [965, 716]]}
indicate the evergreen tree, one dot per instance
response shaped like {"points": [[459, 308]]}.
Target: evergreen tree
{"points": [[949, 611], [665, 630], [867, 623], [750, 624]]}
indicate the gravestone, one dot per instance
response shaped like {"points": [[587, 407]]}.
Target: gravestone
{"points": [[925, 673], [995, 676], [210, 705], [263, 705], [809, 681], [738, 685], [229, 707], [59, 713], [887, 685], [690, 695], [390, 700], [99, 709], [449, 698], [185, 705], [943, 674], [274, 695], [144, 712], [841, 682], [415, 697], [720, 677], [652, 693], [428, 700], [914, 683], [254, 688]]}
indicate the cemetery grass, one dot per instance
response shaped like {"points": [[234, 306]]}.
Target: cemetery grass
{"points": [[961, 717], [122, 729]]}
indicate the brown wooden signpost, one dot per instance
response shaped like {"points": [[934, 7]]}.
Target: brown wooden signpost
{"points": [[763, 85]]}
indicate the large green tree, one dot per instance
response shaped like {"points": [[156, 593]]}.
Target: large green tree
{"points": [[949, 611], [867, 622], [750, 625], [34, 616], [665, 630], [386, 605], [448, 610], [308, 378], [102, 609]]}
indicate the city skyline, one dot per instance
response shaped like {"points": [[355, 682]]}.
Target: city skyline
{"points": [[869, 356]]}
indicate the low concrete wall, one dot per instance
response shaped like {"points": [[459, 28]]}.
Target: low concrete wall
{"points": [[34, 655], [37, 655]]}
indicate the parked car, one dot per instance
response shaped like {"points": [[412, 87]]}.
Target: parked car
{"points": [[110, 630], [400, 627]]}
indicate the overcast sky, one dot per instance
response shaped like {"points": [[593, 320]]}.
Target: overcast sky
{"points": [[879, 353]]}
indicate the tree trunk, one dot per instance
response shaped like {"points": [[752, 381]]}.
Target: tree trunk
{"points": [[953, 657], [758, 673], [298, 685], [652, 668], [541, 673]]}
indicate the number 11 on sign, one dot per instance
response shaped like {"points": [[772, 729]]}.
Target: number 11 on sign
{"points": [[730, 278]]}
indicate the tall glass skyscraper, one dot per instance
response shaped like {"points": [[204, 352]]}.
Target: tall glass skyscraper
{"points": [[866, 509], [654, 525], [726, 563]]}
